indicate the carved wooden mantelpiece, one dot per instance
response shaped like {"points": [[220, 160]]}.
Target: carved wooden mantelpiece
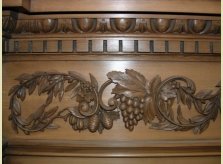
{"points": [[87, 80]]}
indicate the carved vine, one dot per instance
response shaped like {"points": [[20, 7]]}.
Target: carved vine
{"points": [[160, 104]]}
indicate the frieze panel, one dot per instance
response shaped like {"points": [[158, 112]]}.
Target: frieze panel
{"points": [[160, 104]]}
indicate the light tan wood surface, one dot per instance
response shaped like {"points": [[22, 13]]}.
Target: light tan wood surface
{"points": [[179, 38]]}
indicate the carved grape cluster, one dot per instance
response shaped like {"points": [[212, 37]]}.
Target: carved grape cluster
{"points": [[132, 110]]}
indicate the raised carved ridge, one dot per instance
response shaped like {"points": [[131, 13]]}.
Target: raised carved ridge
{"points": [[114, 25], [156, 102]]}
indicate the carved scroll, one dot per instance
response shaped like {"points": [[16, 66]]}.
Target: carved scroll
{"points": [[158, 103]]}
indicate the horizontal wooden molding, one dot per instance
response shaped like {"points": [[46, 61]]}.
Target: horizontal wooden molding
{"points": [[139, 149], [180, 6], [107, 23], [12, 57], [110, 34], [112, 46]]}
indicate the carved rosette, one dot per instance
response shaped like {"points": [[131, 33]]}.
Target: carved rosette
{"points": [[161, 104]]}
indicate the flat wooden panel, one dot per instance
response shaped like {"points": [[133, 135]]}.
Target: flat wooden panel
{"points": [[67, 46], [69, 160], [128, 46], [205, 6], [204, 47], [159, 46], [82, 45], [52, 46], [23, 46], [143, 46], [174, 46], [217, 47], [37, 46], [11, 45], [112, 45], [97, 45], [189, 46]]}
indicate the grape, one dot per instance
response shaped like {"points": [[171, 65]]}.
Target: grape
{"points": [[132, 110], [122, 106]]}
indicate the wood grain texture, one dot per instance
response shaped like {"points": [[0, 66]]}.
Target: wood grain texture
{"points": [[177, 37], [206, 6], [66, 160], [99, 69]]}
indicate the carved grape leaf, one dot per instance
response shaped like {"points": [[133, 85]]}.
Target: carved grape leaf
{"points": [[21, 93], [24, 77], [154, 83], [94, 82], [13, 89], [71, 86], [149, 111], [32, 87], [165, 125], [180, 116], [16, 107], [130, 83]]}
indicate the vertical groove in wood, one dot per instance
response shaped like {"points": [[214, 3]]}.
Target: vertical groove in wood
{"points": [[74, 46], [211, 47], [105, 46], [11, 45], [136, 49], [59, 45], [181, 47], [196, 47], [45, 49], [166, 46], [151, 44], [120, 43], [16, 46], [30, 46], [90, 46]]}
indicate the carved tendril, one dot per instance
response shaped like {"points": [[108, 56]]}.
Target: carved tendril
{"points": [[205, 103], [135, 97]]}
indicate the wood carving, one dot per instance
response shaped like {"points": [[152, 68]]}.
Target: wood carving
{"points": [[156, 102], [117, 25]]}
